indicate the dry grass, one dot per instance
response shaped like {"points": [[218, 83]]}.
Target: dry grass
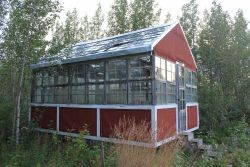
{"points": [[137, 156]]}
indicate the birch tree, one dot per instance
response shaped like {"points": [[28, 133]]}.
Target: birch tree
{"points": [[24, 43]]}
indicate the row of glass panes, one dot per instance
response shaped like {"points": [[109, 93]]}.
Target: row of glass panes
{"points": [[165, 92], [116, 93], [164, 70], [191, 86], [190, 78], [138, 68]]}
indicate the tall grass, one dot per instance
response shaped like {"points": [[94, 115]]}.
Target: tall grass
{"points": [[137, 156]]}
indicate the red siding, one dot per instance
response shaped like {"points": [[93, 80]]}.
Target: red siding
{"points": [[174, 47], [78, 119], [166, 123], [111, 118], [192, 112], [44, 117]]}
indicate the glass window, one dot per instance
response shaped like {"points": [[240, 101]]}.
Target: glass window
{"points": [[96, 72], [95, 93], [78, 74], [161, 92], [38, 78], [140, 92], [48, 94], [48, 79], [140, 67], [170, 72], [191, 86], [116, 93], [171, 98], [78, 94], [37, 94], [61, 94], [116, 70], [62, 76], [160, 68]]}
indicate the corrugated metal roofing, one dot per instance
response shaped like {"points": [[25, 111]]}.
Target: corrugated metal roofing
{"points": [[129, 43]]}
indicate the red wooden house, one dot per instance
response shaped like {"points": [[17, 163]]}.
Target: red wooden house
{"points": [[149, 75]]}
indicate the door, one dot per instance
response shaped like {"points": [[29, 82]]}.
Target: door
{"points": [[180, 96]]}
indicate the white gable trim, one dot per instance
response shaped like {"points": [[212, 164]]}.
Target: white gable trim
{"points": [[188, 46], [163, 35], [166, 32]]}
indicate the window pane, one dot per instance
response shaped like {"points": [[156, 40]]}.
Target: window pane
{"points": [[61, 94], [78, 74], [62, 76], [38, 78], [116, 70], [48, 94], [117, 93], [48, 79], [96, 72], [140, 93], [78, 94], [140, 67], [161, 92], [96, 94]]}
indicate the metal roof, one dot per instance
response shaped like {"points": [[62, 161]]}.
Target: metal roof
{"points": [[140, 41]]}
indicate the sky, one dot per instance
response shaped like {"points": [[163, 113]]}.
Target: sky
{"points": [[88, 7]]}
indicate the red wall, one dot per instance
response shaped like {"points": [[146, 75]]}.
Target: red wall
{"points": [[166, 123], [78, 119], [174, 47], [44, 117], [110, 118], [192, 114]]}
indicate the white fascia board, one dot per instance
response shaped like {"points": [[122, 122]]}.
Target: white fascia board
{"points": [[188, 46]]}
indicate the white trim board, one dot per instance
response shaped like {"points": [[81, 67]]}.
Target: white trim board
{"points": [[142, 107]]}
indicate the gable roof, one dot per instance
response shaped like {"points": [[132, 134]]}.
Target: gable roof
{"points": [[140, 41]]}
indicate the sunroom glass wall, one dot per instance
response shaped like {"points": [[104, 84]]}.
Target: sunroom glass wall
{"points": [[111, 81]]}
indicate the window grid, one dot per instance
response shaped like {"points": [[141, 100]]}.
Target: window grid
{"points": [[87, 83]]}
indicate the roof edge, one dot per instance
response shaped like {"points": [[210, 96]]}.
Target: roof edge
{"points": [[113, 54], [119, 35], [164, 34], [189, 47]]}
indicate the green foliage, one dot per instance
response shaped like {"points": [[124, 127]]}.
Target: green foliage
{"points": [[143, 14], [43, 150], [96, 24], [189, 21], [118, 22]]}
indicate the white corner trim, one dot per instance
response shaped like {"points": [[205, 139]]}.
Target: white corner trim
{"points": [[177, 120], [98, 127], [163, 35], [154, 124], [57, 118]]}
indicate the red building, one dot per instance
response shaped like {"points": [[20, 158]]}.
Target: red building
{"points": [[147, 75]]}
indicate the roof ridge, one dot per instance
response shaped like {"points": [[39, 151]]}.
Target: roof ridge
{"points": [[119, 35]]}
